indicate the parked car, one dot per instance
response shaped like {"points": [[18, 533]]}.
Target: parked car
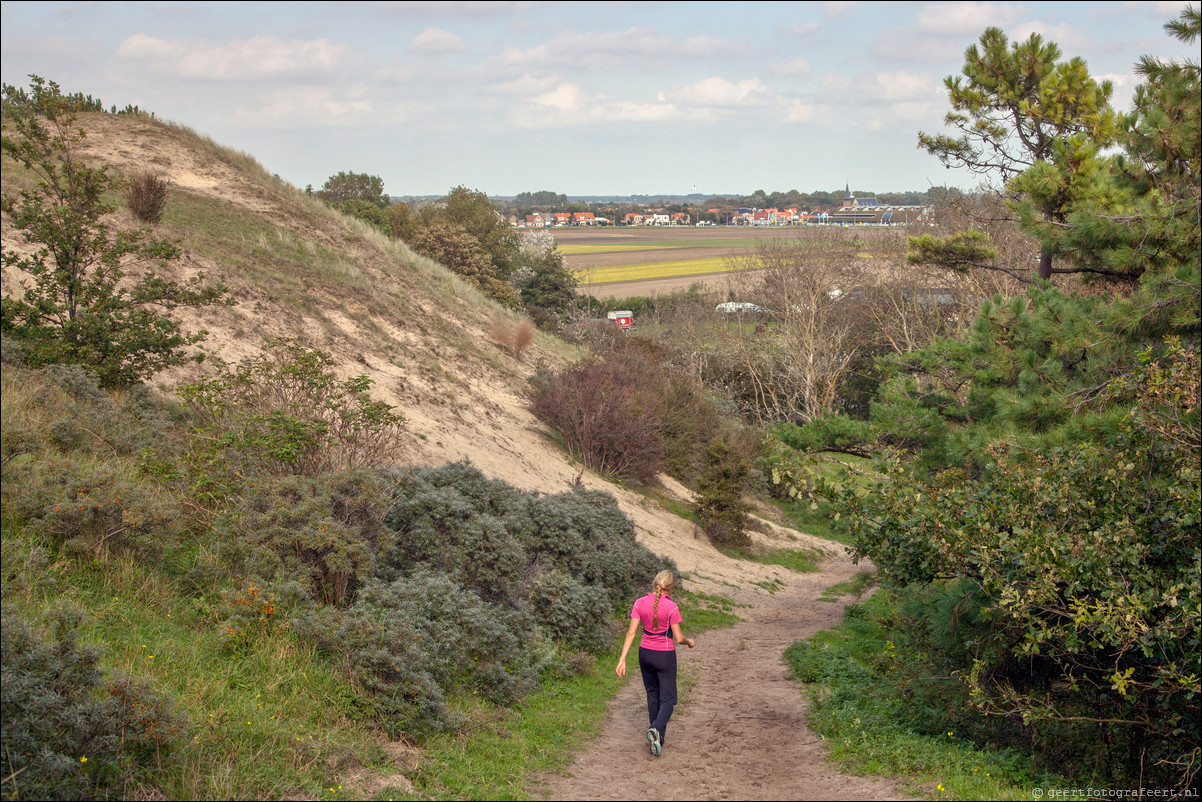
{"points": [[742, 308]]}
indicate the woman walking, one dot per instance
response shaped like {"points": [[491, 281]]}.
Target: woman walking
{"points": [[660, 619]]}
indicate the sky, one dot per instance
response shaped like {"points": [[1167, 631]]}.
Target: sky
{"points": [[580, 98]]}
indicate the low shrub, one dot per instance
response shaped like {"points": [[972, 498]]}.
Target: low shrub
{"points": [[571, 612], [80, 507], [453, 531], [513, 337], [286, 413], [146, 195], [604, 420], [383, 655], [585, 533], [68, 733]]}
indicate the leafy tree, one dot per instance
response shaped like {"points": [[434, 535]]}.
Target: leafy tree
{"points": [[474, 212], [1036, 123], [452, 246], [1155, 234], [354, 186], [544, 281], [79, 308], [400, 222]]}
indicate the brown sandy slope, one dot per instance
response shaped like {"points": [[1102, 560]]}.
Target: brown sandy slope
{"points": [[422, 336]]}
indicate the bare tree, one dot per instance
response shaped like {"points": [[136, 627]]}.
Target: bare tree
{"points": [[794, 354]]}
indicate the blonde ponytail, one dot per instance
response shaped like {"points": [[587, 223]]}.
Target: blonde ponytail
{"points": [[664, 582]]}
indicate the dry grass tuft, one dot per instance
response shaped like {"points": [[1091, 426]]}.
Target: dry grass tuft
{"points": [[513, 337]]}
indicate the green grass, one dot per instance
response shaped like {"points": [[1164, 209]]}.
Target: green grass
{"points": [[856, 586], [811, 521], [862, 718], [803, 561], [705, 611]]}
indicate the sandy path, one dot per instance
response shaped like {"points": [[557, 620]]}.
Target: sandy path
{"points": [[739, 731]]}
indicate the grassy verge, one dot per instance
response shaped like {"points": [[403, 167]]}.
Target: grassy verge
{"points": [[271, 722], [856, 586], [862, 716]]}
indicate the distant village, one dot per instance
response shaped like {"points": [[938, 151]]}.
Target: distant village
{"points": [[853, 211]]}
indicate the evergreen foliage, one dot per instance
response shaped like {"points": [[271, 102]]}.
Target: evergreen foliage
{"points": [[1041, 476], [720, 504], [69, 733], [1037, 123]]}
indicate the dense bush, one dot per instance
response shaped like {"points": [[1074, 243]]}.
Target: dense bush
{"points": [[604, 421], [322, 532], [68, 733], [83, 417], [81, 507], [570, 611], [720, 505], [474, 585], [384, 656], [637, 407], [586, 534], [1086, 558]]}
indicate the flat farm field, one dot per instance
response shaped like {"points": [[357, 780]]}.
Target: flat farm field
{"points": [[609, 260]]}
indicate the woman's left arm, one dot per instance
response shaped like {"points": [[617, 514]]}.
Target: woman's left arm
{"points": [[679, 637]]}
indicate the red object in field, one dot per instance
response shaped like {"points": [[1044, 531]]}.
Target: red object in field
{"points": [[622, 319]]}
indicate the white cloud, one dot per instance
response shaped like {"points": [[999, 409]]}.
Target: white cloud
{"points": [[719, 92], [643, 45], [434, 41], [797, 112], [237, 59], [306, 105], [960, 19], [803, 30], [1070, 40], [898, 86], [471, 8], [567, 104], [834, 9], [524, 85]]}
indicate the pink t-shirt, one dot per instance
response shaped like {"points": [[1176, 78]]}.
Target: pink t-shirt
{"points": [[669, 614]]}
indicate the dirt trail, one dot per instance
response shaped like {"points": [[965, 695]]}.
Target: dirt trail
{"points": [[739, 731]]}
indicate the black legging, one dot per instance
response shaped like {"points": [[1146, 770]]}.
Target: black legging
{"points": [[659, 678]]}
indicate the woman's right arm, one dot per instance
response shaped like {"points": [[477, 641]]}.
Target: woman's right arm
{"points": [[630, 633]]}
